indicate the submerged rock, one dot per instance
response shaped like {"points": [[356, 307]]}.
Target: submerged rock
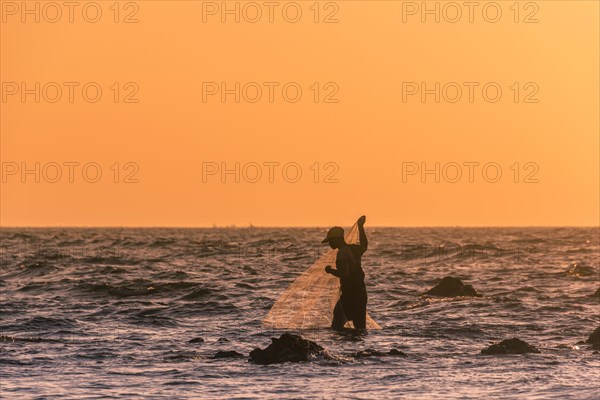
{"points": [[287, 348], [228, 354], [368, 353], [396, 352], [579, 269], [594, 339], [510, 346], [452, 287], [376, 353], [222, 340], [197, 340], [596, 293]]}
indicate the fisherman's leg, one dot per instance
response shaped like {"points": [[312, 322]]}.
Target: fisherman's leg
{"points": [[360, 314], [360, 320], [339, 318]]}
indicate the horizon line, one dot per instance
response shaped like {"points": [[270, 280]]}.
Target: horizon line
{"points": [[284, 226]]}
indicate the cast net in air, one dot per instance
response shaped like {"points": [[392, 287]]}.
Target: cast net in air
{"points": [[309, 301]]}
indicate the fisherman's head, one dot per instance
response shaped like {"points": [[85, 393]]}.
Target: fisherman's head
{"points": [[335, 237]]}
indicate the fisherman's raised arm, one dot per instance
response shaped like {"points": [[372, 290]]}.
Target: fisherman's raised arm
{"points": [[362, 236]]}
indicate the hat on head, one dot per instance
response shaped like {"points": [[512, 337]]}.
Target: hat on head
{"points": [[335, 232]]}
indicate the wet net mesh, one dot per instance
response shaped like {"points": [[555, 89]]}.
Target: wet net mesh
{"points": [[309, 301]]}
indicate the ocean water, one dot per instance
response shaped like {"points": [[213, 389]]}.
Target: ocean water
{"points": [[112, 311]]}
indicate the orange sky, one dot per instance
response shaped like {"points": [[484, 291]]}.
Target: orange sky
{"points": [[369, 57]]}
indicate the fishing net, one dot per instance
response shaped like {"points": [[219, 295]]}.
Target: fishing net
{"points": [[309, 301]]}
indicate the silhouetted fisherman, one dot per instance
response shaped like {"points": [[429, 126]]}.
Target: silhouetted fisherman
{"points": [[352, 305]]}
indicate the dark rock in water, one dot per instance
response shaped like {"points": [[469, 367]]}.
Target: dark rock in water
{"points": [[578, 269], [222, 340], [396, 352], [452, 287], [228, 354], [197, 340], [369, 353], [594, 338], [375, 353], [510, 346], [596, 293], [287, 348]]}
